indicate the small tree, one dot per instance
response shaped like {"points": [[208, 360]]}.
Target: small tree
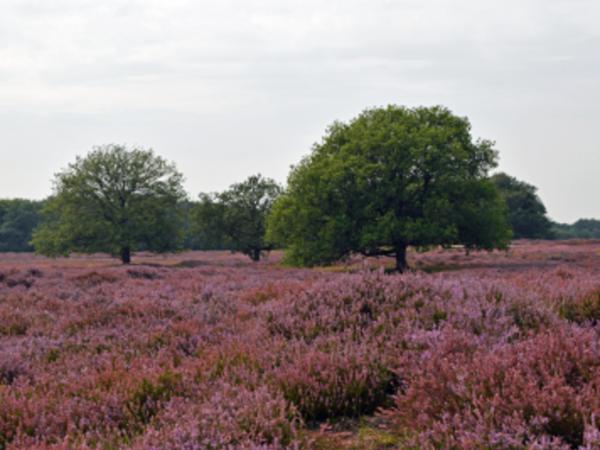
{"points": [[390, 178], [113, 200], [236, 218], [526, 212]]}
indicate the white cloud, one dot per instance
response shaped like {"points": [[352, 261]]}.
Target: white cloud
{"points": [[256, 81]]}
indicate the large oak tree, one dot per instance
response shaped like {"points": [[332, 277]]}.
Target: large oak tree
{"points": [[390, 178]]}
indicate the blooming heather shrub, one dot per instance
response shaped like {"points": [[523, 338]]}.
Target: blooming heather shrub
{"points": [[230, 417], [13, 323], [94, 278], [10, 370], [19, 280], [582, 309], [544, 389], [343, 381], [144, 274], [34, 272], [226, 354], [146, 398]]}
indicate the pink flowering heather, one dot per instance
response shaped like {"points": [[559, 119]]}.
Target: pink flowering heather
{"points": [[210, 351]]}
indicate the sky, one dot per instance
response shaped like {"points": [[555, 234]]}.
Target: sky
{"points": [[230, 88]]}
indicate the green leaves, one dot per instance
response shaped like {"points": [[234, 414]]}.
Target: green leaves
{"points": [[389, 178], [17, 220], [113, 200], [236, 218], [526, 212]]}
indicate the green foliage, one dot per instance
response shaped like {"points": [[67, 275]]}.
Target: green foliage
{"points": [[206, 224], [481, 217], [18, 218], [191, 240], [526, 212], [582, 229], [349, 390], [390, 178], [114, 200], [236, 218], [582, 310], [371, 438], [146, 399]]}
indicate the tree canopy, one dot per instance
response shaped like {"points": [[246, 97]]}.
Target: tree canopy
{"points": [[18, 218], [581, 229], [206, 223], [113, 200], [526, 212], [390, 178], [236, 218]]}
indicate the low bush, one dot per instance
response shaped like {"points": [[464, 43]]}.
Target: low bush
{"points": [[542, 391], [231, 416], [344, 382], [581, 309], [148, 396]]}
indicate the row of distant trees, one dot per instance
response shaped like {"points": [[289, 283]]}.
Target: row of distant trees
{"points": [[18, 219], [526, 214], [230, 220], [390, 178]]}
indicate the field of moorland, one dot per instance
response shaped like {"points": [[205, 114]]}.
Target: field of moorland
{"points": [[211, 351]]}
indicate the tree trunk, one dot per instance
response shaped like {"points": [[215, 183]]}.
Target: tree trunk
{"points": [[401, 264], [255, 254], [126, 255]]}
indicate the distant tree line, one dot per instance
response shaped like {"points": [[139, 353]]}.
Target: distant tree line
{"points": [[18, 219], [527, 214], [581, 229], [388, 179], [525, 211]]}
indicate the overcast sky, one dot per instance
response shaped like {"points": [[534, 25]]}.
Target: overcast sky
{"points": [[233, 87]]}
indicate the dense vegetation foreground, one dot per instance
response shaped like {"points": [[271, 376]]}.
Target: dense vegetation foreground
{"points": [[211, 351]]}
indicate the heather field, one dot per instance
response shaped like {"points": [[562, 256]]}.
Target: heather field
{"points": [[211, 351]]}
